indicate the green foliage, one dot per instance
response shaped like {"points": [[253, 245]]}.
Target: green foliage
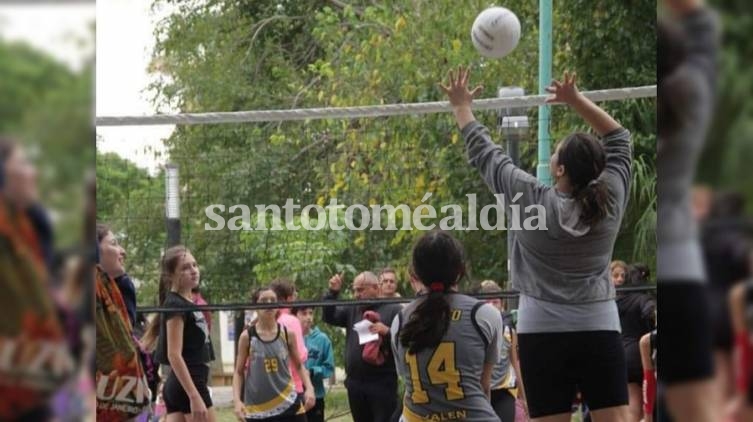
{"points": [[28, 77], [61, 124], [304, 256], [728, 149], [48, 108], [131, 203], [243, 55]]}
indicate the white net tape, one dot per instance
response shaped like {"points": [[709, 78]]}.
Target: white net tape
{"points": [[362, 111]]}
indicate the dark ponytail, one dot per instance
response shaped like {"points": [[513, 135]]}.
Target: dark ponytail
{"points": [[438, 262], [584, 159], [593, 202]]}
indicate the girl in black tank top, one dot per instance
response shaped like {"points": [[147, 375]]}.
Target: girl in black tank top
{"points": [[183, 341]]}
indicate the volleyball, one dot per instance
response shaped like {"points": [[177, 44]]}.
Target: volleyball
{"points": [[495, 32]]}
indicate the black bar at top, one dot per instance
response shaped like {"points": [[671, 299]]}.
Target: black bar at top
{"points": [[320, 303]]}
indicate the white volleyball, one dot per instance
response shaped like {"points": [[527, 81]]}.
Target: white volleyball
{"points": [[495, 32]]}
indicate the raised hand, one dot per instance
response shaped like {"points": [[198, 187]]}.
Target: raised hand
{"points": [[457, 88], [563, 92], [336, 283]]}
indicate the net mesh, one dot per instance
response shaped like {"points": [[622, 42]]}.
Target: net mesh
{"points": [[369, 161]]}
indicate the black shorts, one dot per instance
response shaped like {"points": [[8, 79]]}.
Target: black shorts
{"points": [[503, 403], [684, 339], [633, 363], [555, 366], [719, 315], [175, 397]]}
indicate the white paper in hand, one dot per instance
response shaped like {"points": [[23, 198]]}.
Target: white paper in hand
{"points": [[362, 328]]}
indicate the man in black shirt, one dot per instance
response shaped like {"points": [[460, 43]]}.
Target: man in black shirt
{"points": [[372, 389]]}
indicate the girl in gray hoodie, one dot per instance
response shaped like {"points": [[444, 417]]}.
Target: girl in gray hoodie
{"points": [[568, 325]]}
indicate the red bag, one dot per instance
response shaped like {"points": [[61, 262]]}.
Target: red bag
{"points": [[372, 351]]}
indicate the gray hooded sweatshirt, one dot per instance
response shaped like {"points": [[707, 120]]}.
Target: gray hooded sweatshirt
{"points": [[562, 272]]}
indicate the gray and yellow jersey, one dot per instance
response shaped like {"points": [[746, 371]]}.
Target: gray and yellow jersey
{"points": [[444, 383], [269, 389]]}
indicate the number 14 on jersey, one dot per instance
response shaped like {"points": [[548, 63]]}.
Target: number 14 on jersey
{"points": [[441, 370]]}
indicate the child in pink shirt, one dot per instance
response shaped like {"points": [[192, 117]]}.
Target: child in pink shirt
{"points": [[285, 291]]}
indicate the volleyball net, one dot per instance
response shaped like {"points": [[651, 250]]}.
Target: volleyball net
{"points": [[307, 193]]}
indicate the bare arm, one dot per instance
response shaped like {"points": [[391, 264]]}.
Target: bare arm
{"points": [[463, 115], [645, 348], [460, 97], [515, 359], [737, 309], [239, 373], [298, 364], [486, 379]]}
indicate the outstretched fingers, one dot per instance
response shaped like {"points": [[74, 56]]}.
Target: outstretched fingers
{"points": [[569, 78], [457, 81], [572, 78]]}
